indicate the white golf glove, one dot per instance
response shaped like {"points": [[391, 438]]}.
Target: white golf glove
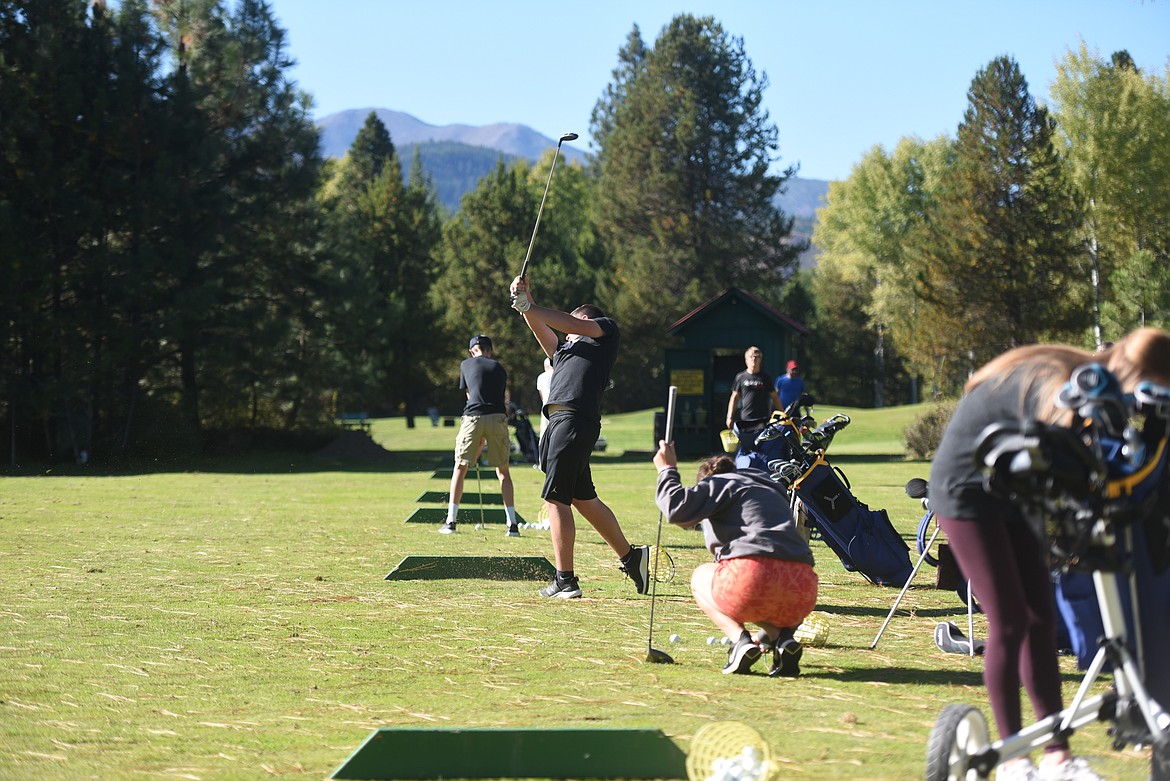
{"points": [[520, 302]]}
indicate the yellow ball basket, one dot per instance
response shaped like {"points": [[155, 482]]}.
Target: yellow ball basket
{"points": [[725, 750], [730, 440], [665, 571], [814, 631]]}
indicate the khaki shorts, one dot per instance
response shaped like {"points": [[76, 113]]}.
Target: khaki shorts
{"points": [[473, 429]]}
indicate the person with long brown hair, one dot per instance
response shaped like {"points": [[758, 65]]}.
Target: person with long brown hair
{"points": [[995, 547], [762, 571]]}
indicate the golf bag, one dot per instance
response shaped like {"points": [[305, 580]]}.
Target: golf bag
{"points": [[525, 435], [775, 442], [864, 540], [788, 436]]}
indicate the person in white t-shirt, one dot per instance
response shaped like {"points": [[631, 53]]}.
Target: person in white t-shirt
{"points": [[543, 381]]}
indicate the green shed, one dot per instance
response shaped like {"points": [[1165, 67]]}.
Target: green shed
{"points": [[713, 340]]}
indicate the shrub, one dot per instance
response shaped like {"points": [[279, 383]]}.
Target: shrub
{"points": [[923, 435]]}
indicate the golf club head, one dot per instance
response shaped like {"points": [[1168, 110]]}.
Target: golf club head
{"points": [[567, 137], [654, 656]]}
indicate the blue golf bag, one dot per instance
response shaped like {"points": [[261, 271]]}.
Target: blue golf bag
{"points": [[864, 540]]}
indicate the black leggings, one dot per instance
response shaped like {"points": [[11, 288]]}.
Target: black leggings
{"points": [[1010, 577]]}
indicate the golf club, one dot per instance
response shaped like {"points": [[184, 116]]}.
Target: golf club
{"points": [[522, 296], [479, 488], [653, 655]]}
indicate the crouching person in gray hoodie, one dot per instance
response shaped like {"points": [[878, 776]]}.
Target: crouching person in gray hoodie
{"points": [[763, 569]]}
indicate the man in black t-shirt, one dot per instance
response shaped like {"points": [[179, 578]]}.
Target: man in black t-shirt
{"points": [[754, 394], [485, 382], [581, 368]]}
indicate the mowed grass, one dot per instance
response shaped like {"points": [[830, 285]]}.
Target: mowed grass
{"points": [[234, 621]]}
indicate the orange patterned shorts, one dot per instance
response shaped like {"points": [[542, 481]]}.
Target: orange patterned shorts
{"points": [[758, 589]]}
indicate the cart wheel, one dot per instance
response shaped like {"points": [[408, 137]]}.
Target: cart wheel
{"points": [[1160, 767], [959, 734]]}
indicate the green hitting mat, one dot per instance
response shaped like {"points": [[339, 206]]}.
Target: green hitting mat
{"points": [[481, 567], [466, 515], [469, 497], [405, 752]]}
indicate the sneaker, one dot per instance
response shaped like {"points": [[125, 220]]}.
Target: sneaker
{"points": [[786, 659], [741, 657], [513, 531], [639, 568], [448, 527], [1076, 769], [948, 637], [1022, 770], [570, 589]]}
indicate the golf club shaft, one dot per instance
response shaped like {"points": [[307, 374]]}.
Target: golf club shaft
{"points": [[658, 538], [479, 488], [540, 211]]}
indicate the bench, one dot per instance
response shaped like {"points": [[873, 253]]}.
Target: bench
{"points": [[354, 421]]}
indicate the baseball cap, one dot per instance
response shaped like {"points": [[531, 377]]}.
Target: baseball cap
{"points": [[793, 365], [480, 340]]}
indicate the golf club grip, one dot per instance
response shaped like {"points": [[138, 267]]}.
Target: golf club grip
{"points": [[670, 412]]}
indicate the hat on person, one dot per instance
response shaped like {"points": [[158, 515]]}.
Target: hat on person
{"points": [[481, 341], [793, 365]]}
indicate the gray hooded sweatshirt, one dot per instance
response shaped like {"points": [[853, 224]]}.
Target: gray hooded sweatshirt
{"points": [[742, 513]]}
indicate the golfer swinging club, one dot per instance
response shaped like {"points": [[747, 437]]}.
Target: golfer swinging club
{"points": [[581, 368]]}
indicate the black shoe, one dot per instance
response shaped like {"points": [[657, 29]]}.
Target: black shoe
{"points": [[447, 528], [569, 589], [741, 657], [786, 659], [513, 530], [638, 568]]}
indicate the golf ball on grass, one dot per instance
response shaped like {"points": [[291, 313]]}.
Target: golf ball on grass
{"points": [[675, 638], [725, 640], [711, 641]]}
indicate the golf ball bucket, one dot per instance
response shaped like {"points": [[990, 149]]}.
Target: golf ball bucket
{"points": [[814, 630], [727, 750]]}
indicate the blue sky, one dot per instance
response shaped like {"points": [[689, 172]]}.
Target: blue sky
{"points": [[845, 75]]}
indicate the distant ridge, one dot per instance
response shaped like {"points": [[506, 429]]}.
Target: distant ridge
{"points": [[456, 157], [339, 130]]}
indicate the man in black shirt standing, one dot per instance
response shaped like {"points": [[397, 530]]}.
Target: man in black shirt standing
{"points": [[581, 368], [485, 382], [755, 396]]}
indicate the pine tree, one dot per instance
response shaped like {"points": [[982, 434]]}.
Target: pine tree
{"points": [[384, 235], [1001, 252], [686, 185]]}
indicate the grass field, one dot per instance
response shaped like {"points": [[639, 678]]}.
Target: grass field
{"points": [[233, 621]]}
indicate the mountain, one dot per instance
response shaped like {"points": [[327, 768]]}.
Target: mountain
{"points": [[339, 130], [456, 157]]}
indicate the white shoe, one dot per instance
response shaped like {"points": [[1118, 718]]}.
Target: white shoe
{"points": [[1021, 770], [1076, 769]]}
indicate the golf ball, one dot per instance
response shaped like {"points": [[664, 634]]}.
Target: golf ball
{"points": [[675, 638], [479, 526], [711, 641], [725, 640]]}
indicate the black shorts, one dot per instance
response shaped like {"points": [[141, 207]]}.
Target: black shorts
{"points": [[565, 449]]}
